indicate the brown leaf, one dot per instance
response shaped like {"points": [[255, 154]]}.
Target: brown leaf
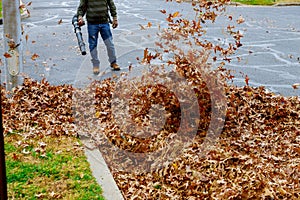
{"points": [[142, 27], [28, 12], [60, 21], [240, 20], [175, 14], [296, 85], [8, 36], [12, 45], [7, 55], [247, 80], [163, 11], [34, 56], [15, 157], [130, 67]]}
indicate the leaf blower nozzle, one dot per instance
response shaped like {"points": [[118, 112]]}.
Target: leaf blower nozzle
{"points": [[78, 33]]}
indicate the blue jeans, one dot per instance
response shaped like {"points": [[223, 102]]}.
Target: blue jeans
{"points": [[106, 35]]}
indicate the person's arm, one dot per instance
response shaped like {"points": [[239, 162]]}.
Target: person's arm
{"points": [[113, 12], [81, 10], [112, 8]]}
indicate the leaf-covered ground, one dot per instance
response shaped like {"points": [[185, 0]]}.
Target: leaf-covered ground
{"points": [[256, 156], [44, 157]]}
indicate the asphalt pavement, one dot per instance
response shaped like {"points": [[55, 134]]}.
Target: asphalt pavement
{"points": [[270, 54]]}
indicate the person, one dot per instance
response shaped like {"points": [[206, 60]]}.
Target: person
{"points": [[97, 14]]}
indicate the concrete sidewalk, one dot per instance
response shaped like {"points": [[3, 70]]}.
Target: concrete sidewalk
{"points": [[101, 172], [270, 55]]}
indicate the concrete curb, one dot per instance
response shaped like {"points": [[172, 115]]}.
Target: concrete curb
{"points": [[287, 4], [102, 173]]}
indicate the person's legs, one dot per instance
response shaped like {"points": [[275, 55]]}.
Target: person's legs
{"points": [[108, 41], [93, 31]]}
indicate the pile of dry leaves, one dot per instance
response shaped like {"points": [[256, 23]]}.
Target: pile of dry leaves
{"points": [[38, 108], [256, 156]]}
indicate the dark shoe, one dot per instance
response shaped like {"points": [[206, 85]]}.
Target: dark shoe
{"points": [[96, 70], [115, 66]]}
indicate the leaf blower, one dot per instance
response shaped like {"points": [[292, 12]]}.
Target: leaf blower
{"points": [[78, 33]]}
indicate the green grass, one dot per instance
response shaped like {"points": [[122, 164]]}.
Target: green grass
{"points": [[265, 2], [261, 2], [0, 9], [60, 171], [256, 2]]}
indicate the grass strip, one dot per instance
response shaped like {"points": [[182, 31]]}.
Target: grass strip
{"points": [[0, 9], [48, 168], [265, 2], [256, 2]]}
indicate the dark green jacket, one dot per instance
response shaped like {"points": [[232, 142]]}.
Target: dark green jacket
{"points": [[96, 11]]}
